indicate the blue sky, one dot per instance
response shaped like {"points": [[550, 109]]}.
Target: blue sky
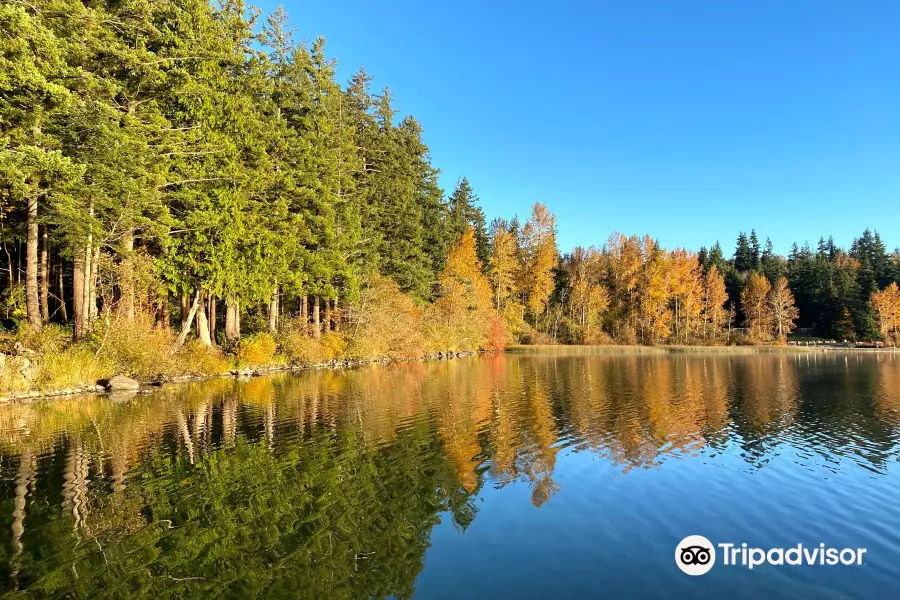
{"points": [[686, 120]]}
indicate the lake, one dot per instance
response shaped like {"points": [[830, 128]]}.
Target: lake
{"points": [[522, 476]]}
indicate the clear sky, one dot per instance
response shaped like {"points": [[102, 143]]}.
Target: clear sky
{"points": [[686, 120]]}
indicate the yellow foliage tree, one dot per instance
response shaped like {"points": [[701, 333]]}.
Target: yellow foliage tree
{"points": [[886, 305], [541, 257], [461, 318], [687, 292], [755, 304], [655, 292], [504, 266], [624, 261], [715, 315], [462, 281], [783, 313]]}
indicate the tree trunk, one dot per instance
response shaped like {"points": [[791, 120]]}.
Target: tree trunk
{"points": [[232, 319], [273, 311], [162, 312], [186, 326], [87, 273], [303, 312], [32, 304], [327, 317], [317, 324], [78, 294], [212, 318], [95, 277], [336, 315], [185, 308], [45, 278], [9, 265], [62, 293], [127, 281], [203, 323]]}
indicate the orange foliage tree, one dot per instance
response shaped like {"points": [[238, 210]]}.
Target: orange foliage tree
{"points": [[886, 305], [755, 304], [783, 313]]}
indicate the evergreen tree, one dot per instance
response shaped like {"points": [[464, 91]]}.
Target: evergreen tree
{"points": [[743, 255], [754, 249], [464, 212]]}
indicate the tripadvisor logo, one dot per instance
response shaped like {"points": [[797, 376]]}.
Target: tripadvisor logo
{"points": [[696, 555]]}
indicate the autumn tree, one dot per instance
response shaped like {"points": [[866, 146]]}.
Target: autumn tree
{"points": [[588, 298], [783, 313], [540, 258], [462, 316], [463, 212], [687, 293], [715, 315], [755, 305], [504, 265], [886, 305], [654, 293]]}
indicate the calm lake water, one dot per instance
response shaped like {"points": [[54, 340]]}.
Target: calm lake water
{"points": [[510, 476]]}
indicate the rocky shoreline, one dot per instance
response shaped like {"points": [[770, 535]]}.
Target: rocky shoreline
{"points": [[121, 384]]}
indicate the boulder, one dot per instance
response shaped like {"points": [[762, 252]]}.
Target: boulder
{"points": [[120, 382]]}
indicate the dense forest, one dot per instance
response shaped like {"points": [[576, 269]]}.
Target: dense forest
{"points": [[176, 170]]}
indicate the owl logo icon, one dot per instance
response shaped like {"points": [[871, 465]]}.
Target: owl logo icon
{"points": [[695, 555]]}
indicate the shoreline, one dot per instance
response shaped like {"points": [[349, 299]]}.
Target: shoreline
{"points": [[239, 373], [246, 372], [600, 349]]}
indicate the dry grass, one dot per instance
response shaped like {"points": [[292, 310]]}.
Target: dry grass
{"points": [[196, 359], [138, 349], [257, 350]]}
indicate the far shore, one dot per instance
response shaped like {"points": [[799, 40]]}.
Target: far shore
{"points": [[684, 349]]}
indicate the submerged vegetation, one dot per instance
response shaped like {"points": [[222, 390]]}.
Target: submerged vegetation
{"points": [[184, 189]]}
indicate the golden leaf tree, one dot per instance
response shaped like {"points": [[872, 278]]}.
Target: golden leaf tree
{"points": [[755, 304], [541, 257], [462, 317], [783, 313], [687, 292], [654, 293], [715, 315], [588, 298], [624, 263], [886, 305], [463, 285], [504, 265]]}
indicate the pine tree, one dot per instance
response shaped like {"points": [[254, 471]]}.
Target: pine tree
{"points": [[754, 250], [743, 255]]}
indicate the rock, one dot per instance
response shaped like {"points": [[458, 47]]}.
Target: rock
{"points": [[120, 382]]}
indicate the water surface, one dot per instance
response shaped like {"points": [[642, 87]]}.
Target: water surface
{"points": [[509, 476]]}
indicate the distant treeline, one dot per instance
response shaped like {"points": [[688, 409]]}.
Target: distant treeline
{"points": [[189, 164], [647, 294]]}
